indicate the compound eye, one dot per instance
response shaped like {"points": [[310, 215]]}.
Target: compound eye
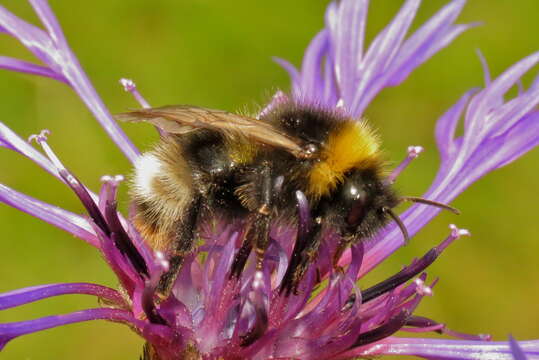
{"points": [[357, 198]]}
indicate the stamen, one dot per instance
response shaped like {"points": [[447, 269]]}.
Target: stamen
{"points": [[75, 185], [130, 86], [415, 268], [413, 152], [109, 187], [456, 233], [42, 136], [110, 226], [41, 140], [400, 224], [422, 288], [430, 202], [116, 179], [108, 190]]}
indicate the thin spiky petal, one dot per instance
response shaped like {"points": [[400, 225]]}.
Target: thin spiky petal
{"points": [[30, 294], [52, 49], [446, 349], [10, 331], [496, 132], [212, 315]]}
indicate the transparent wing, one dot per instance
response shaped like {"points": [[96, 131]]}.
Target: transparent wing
{"points": [[181, 119]]}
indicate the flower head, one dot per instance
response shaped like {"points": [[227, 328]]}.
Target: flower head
{"points": [[209, 313]]}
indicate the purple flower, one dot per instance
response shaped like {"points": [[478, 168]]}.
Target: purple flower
{"points": [[211, 315]]}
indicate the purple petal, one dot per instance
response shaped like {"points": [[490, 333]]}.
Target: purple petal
{"points": [[486, 69], [30, 294], [522, 138], [286, 308], [258, 298], [447, 124], [477, 117], [32, 37], [431, 37], [147, 302], [292, 72], [63, 219], [312, 86], [13, 142], [331, 93], [29, 68], [518, 353], [53, 50], [10, 331], [513, 111], [485, 146], [500, 151], [47, 17], [437, 42], [423, 44], [346, 23], [383, 331], [385, 46], [218, 278], [128, 276], [445, 349], [121, 239], [381, 53], [355, 78], [402, 276]]}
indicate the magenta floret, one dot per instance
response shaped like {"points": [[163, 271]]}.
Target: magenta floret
{"points": [[213, 315]]}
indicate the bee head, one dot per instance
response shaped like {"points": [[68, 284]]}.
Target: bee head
{"points": [[364, 201]]}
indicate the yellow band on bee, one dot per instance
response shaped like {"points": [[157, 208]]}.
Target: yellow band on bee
{"points": [[352, 145]]}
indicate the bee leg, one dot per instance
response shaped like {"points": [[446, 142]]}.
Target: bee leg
{"points": [[183, 240], [261, 226], [258, 226], [243, 253], [304, 252]]}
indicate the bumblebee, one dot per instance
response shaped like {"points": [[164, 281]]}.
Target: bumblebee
{"points": [[214, 162]]}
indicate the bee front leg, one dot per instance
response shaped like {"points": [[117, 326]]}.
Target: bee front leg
{"points": [[305, 250], [183, 245], [243, 253], [258, 225]]}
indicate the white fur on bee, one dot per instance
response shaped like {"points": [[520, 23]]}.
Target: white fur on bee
{"points": [[147, 168], [164, 184]]}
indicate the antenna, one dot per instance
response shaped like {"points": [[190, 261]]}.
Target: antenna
{"points": [[430, 202], [399, 222]]}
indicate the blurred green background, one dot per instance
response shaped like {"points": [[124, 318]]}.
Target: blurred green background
{"points": [[218, 54]]}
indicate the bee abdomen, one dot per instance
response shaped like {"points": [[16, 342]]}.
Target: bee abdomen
{"points": [[162, 190]]}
